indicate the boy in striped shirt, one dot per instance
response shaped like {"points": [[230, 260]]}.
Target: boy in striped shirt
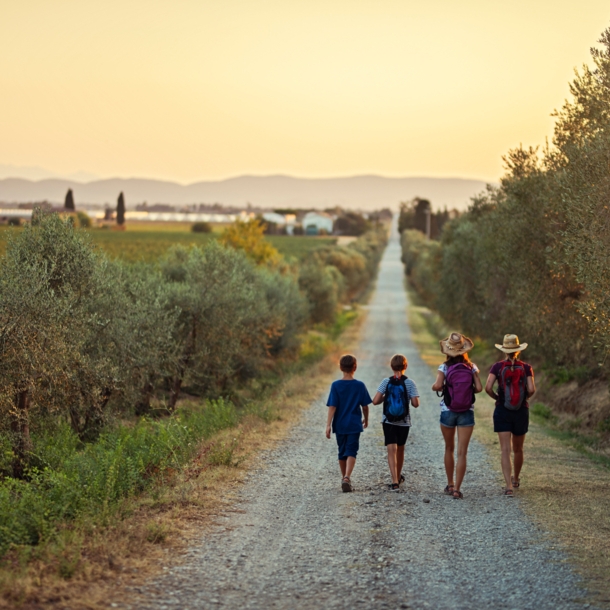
{"points": [[396, 426]]}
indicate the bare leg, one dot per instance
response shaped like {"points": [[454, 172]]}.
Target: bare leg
{"points": [[392, 462], [506, 465], [400, 460], [518, 454], [342, 464], [449, 436], [349, 467], [463, 433]]}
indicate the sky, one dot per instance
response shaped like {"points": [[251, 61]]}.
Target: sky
{"points": [[191, 90]]}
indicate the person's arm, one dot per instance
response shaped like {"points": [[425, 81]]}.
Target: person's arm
{"points": [[478, 386], [378, 398], [415, 401], [329, 420], [440, 381], [380, 394], [365, 416], [531, 386], [489, 386]]}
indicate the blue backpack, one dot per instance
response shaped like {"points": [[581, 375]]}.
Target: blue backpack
{"points": [[396, 400]]}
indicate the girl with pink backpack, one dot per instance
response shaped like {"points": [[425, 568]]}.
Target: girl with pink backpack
{"points": [[458, 380]]}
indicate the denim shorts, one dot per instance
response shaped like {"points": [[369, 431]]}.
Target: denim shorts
{"points": [[348, 445], [450, 419]]}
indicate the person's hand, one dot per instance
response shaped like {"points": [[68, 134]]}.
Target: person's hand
{"points": [[327, 431], [365, 423]]}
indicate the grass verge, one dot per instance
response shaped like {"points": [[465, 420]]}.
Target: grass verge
{"points": [[91, 561], [564, 491]]}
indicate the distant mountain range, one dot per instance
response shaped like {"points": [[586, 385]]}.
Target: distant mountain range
{"points": [[357, 192]]}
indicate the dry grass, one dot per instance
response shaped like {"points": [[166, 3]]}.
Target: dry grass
{"points": [[86, 568], [563, 492]]}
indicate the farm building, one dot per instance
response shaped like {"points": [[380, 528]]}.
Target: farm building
{"points": [[315, 223]]}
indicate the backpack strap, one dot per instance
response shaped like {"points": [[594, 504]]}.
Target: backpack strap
{"points": [[407, 398], [404, 385]]}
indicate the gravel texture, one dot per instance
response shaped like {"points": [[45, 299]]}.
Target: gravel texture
{"points": [[296, 541]]}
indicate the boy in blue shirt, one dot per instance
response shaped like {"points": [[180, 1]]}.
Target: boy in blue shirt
{"points": [[348, 413]]}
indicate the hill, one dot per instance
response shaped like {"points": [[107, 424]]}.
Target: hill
{"points": [[357, 192]]}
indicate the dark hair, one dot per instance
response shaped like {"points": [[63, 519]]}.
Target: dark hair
{"points": [[455, 359], [348, 363], [398, 362]]}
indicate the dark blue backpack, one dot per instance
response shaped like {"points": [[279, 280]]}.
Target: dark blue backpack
{"points": [[396, 400]]}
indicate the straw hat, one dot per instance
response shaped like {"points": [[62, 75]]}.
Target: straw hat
{"points": [[511, 344], [456, 345]]}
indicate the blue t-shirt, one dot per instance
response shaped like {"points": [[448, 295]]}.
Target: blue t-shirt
{"points": [[348, 395]]}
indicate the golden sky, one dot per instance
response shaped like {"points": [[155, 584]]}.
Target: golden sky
{"points": [[198, 89]]}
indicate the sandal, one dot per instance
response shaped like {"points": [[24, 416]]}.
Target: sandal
{"points": [[402, 479], [508, 492], [346, 485], [457, 495], [394, 487], [448, 491], [516, 482]]}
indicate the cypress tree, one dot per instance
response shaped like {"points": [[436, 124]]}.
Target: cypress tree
{"points": [[120, 210], [69, 201]]}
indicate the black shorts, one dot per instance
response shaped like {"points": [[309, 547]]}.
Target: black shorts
{"points": [[516, 422], [395, 435]]}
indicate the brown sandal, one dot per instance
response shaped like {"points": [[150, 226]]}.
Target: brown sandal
{"points": [[448, 491], [457, 495], [515, 482], [508, 493], [346, 485]]}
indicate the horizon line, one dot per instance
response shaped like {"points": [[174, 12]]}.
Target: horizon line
{"points": [[254, 176]]}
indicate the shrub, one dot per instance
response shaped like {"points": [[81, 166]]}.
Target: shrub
{"points": [[201, 227], [93, 479], [84, 222], [321, 285], [250, 238]]}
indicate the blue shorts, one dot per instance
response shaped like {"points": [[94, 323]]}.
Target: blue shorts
{"points": [[348, 445], [450, 419]]}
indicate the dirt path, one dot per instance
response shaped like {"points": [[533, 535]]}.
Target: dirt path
{"points": [[296, 541]]}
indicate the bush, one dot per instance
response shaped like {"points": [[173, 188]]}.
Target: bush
{"points": [[84, 222], [201, 227], [93, 480], [250, 238], [321, 285]]}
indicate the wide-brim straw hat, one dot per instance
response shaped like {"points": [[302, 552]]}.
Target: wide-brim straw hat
{"points": [[456, 345], [511, 344]]}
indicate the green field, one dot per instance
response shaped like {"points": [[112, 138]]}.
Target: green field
{"points": [[145, 244]]}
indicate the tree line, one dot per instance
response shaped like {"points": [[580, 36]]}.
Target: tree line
{"points": [[535, 251]]}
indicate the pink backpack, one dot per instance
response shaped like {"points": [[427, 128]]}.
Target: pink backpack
{"points": [[458, 391]]}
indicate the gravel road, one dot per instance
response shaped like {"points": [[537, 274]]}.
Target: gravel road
{"points": [[296, 541]]}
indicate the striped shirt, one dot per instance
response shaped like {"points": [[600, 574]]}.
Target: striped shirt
{"points": [[413, 393]]}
